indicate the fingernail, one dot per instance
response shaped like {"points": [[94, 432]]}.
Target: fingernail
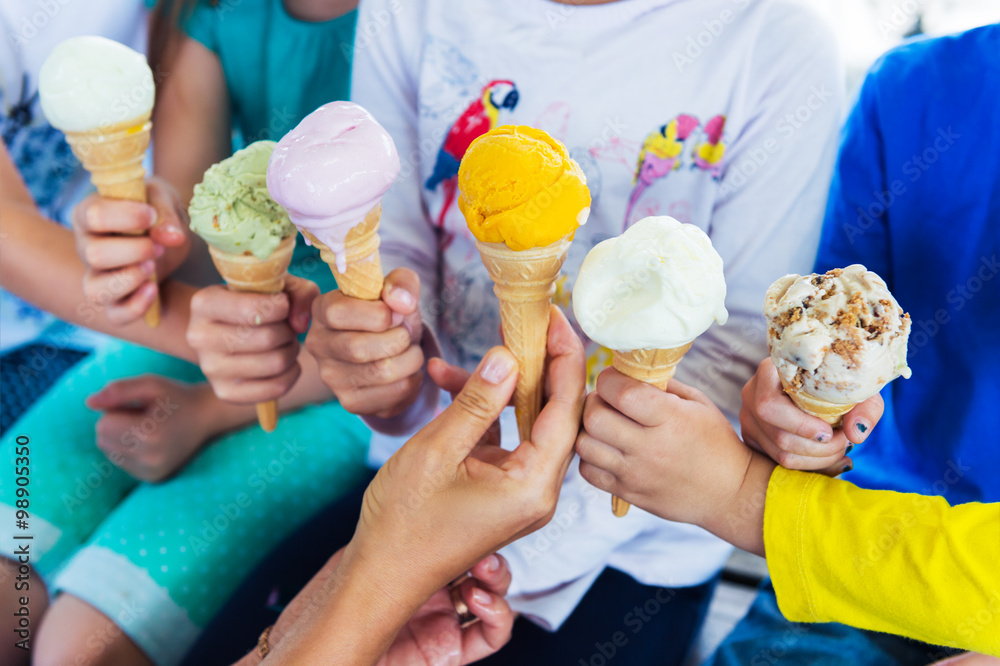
{"points": [[481, 597], [823, 438], [497, 367], [862, 427], [847, 468], [257, 320], [148, 266], [404, 297], [492, 563], [850, 447], [158, 250], [397, 319]]}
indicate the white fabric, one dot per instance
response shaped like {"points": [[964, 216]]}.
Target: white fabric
{"points": [[601, 79], [31, 29]]}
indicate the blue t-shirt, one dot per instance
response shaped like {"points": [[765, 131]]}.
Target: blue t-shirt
{"points": [[916, 198]]}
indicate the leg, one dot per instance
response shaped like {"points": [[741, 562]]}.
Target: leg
{"points": [[171, 554], [764, 636], [15, 585], [620, 621], [76, 632]]}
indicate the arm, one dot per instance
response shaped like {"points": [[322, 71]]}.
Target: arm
{"points": [[900, 563], [32, 241], [435, 508]]}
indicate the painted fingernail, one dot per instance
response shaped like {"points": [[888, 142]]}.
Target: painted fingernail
{"points": [[492, 563], [481, 597], [497, 366], [847, 468], [158, 250], [850, 447], [822, 438], [148, 266], [862, 427]]}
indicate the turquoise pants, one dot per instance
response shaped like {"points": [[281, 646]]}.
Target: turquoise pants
{"points": [[161, 559]]}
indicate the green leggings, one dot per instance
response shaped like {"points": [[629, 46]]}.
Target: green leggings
{"points": [[161, 559]]}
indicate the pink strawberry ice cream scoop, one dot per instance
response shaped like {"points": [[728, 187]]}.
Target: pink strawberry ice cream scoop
{"points": [[332, 169]]}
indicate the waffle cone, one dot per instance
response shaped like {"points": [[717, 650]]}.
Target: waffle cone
{"points": [[113, 157], [363, 277], [245, 272], [524, 282], [831, 412], [652, 366]]}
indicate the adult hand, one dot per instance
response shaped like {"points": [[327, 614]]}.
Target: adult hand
{"points": [[151, 425], [119, 262], [246, 343], [369, 352], [773, 424]]}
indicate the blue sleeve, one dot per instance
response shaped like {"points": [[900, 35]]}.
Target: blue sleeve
{"points": [[855, 228]]}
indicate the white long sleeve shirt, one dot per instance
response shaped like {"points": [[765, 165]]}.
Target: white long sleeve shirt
{"points": [[720, 113]]}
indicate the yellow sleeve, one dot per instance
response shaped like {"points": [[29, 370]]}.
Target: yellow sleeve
{"points": [[899, 563]]}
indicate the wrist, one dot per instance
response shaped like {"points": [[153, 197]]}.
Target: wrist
{"points": [[740, 519], [218, 416]]}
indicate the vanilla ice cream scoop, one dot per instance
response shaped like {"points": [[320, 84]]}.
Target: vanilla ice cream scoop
{"points": [[657, 286], [838, 337], [93, 82]]}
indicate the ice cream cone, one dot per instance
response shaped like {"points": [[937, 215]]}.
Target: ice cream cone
{"points": [[654, 367], [830, 412], [245, 272], [525, 282], [363, 276], [113, 155]]}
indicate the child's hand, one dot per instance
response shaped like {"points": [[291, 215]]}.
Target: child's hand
{"points": [[671, 453], [772, 424], [246, 343], [151, 425], [369, 351], [119, 265]]}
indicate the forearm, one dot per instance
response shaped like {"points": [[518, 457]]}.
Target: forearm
{"points": [[742, 523], [352, 615], [899, 563], [31, 241]]}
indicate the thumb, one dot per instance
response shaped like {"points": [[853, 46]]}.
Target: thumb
{"points": [[477, 406], [134, 394], [401, 291], [301, 294], [858, 422]]}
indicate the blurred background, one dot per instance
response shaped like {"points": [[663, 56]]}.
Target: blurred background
{"points": [[868, 28]]}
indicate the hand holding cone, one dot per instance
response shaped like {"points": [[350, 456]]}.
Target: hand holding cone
{"points": [[249, 236], [100, 94], [647, 295]]}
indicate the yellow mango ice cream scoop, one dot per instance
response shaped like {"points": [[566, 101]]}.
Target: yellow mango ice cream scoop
{"points": [[523, 198]]}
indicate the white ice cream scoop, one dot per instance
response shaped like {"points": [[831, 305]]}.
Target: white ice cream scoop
{"points": [[93, 82], [657, 286]]}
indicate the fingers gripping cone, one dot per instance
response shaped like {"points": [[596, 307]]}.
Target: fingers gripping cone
{"points": [[245, 272], [653, 366], [362, 277], [524, 282], [113, 156], [831, 412]]}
